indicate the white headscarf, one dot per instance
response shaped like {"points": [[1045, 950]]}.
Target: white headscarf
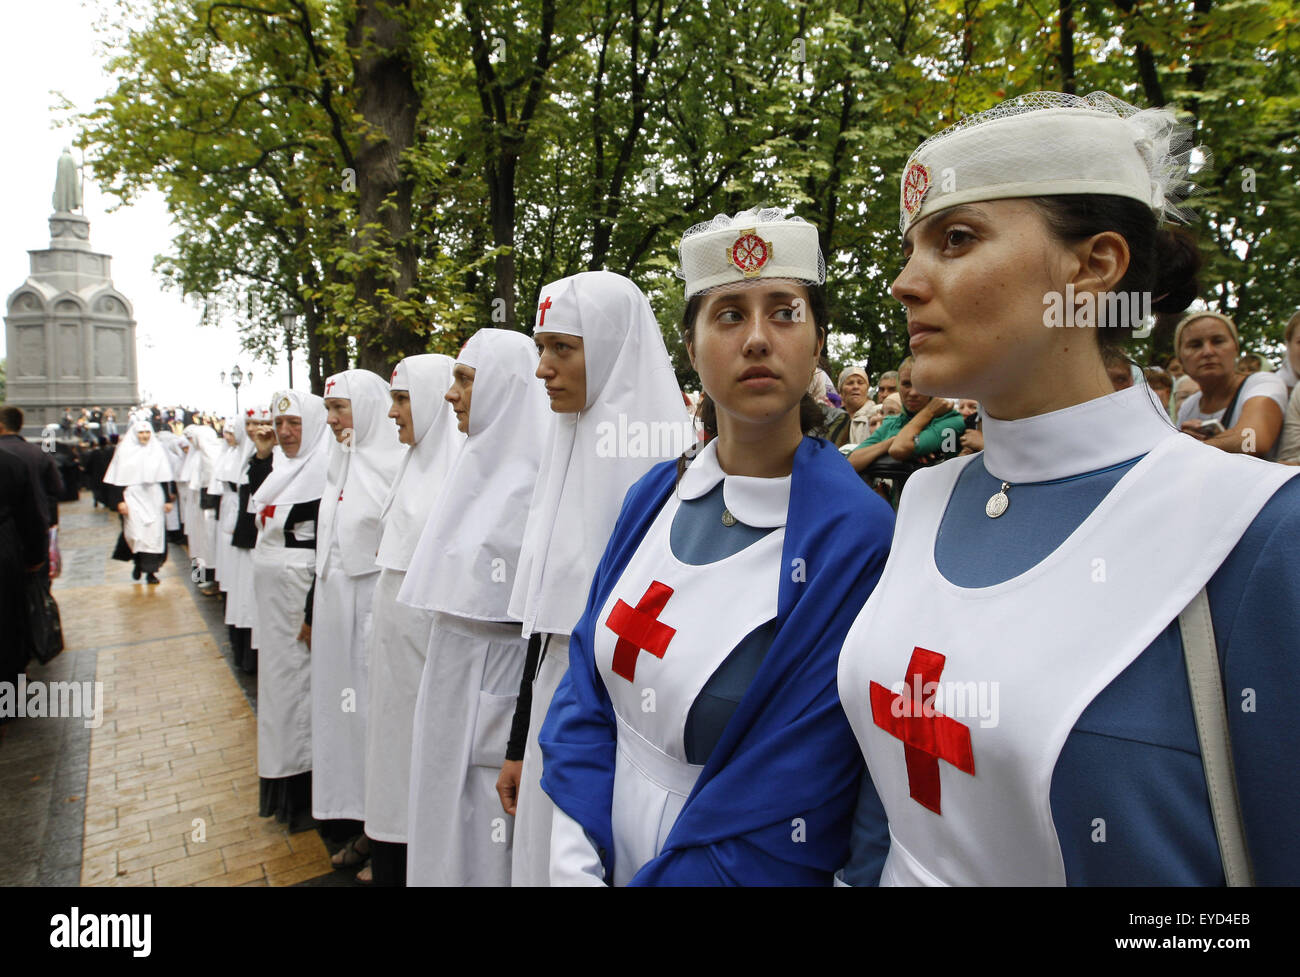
{"points": [[235, 457], [465, 561], [204, 454], [301, 478], [134, 463], [425, 465], [634, 418], [172, 444], [361, 471]]}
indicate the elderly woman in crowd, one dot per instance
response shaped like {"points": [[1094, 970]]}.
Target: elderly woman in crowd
{"points": [[1235, 412]]}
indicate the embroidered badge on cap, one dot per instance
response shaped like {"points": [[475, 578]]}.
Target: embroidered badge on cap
{"points": [[283, 405], [915, 184], [750, 253]]}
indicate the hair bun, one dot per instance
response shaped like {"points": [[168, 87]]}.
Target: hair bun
{"points": [[1177, 264]]}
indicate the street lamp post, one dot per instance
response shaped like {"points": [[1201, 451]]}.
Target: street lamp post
{"points": [[289, 319], [236, 378]]}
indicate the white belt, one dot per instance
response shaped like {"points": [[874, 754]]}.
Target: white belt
{"points": [[676, 776]]}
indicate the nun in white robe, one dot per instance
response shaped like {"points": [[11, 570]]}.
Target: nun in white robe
{"points": [[463, 569], [633, 418], [399, 637], [284, 566], [226, 490], [361, 471], [205, 449], [174, 445], [141, 473]]}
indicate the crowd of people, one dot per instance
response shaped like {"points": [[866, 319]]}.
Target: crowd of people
{"points": [[499, 640]]}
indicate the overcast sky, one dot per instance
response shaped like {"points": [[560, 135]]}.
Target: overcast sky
{"points": [[50, 45]]}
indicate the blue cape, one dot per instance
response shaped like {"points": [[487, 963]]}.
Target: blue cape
{"points": [[774, 803]]}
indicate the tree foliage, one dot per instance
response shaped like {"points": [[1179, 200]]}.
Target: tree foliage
{"points": [[402, 173]]}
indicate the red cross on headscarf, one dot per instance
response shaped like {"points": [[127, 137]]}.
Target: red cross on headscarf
{"points": [[927, 736], [639, 629], [329, 386], [542, 309]]}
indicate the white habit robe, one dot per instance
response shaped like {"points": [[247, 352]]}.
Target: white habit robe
{"points": [[399, 637], [463, 570], [583, 478], [282, 577], [141, 469], [361, 471]]}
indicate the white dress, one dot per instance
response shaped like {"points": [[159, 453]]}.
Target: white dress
{"points": [[282, 576], [399, 642], [458, 832], [340, 696]]}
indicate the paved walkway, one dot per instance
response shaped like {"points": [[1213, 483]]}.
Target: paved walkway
{"points": [[164, 791]]}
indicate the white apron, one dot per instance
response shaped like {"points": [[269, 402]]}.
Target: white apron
{"points": [[282, 577], [458, 832], [241, 595], [226, 516], [964, 766], [399, 642], [143, 527], [531, 862], [652, 777], [340, 695]]}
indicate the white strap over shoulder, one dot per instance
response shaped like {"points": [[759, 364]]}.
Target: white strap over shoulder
{"points": [[1206, 687]]}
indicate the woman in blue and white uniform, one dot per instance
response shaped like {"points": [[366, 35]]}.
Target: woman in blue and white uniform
{"points": [[1018, 682], [697, 737]]}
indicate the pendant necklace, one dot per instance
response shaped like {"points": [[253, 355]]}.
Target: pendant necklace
{"points": [[998, 502]]}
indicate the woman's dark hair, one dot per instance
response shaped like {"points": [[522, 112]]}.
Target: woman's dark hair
{"points": [[811, 416], [1162, 263]]}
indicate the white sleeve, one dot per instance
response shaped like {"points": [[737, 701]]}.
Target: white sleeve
{"points": [[1290, 448], [1268, 385], [573, 857]]}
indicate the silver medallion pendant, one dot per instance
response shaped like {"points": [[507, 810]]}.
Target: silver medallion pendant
{"points": [[997, 503], [727, 518]]}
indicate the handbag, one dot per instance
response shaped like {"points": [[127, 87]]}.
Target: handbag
{"points": [[45, 627]]}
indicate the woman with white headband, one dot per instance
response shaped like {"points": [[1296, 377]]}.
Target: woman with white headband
{"points": [[1019, 681], [399, 638], [287, 506], [363, 458], [138, 484], [1231, 411], [618, 412], [463, 570], [697, 737]]}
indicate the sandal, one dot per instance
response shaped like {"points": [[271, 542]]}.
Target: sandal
{"points": [[351, 855]]}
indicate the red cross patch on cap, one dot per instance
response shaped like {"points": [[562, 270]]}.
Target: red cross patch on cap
{"points": [[750, 253], [916, 182]]}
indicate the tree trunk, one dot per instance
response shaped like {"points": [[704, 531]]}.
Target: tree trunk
{"points": [[380, 42]]}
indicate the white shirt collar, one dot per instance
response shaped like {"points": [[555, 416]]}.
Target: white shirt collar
{"points": [[1086, 437], [758, 502]]}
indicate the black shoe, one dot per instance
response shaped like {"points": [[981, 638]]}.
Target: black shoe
{"points": [[135, 573], [150, 578]]}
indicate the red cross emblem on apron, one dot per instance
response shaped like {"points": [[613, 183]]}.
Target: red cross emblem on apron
{"points": [[639, 629], [927, 736]]}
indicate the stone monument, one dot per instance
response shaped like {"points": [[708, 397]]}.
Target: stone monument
{"points": [[69, 333]]}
